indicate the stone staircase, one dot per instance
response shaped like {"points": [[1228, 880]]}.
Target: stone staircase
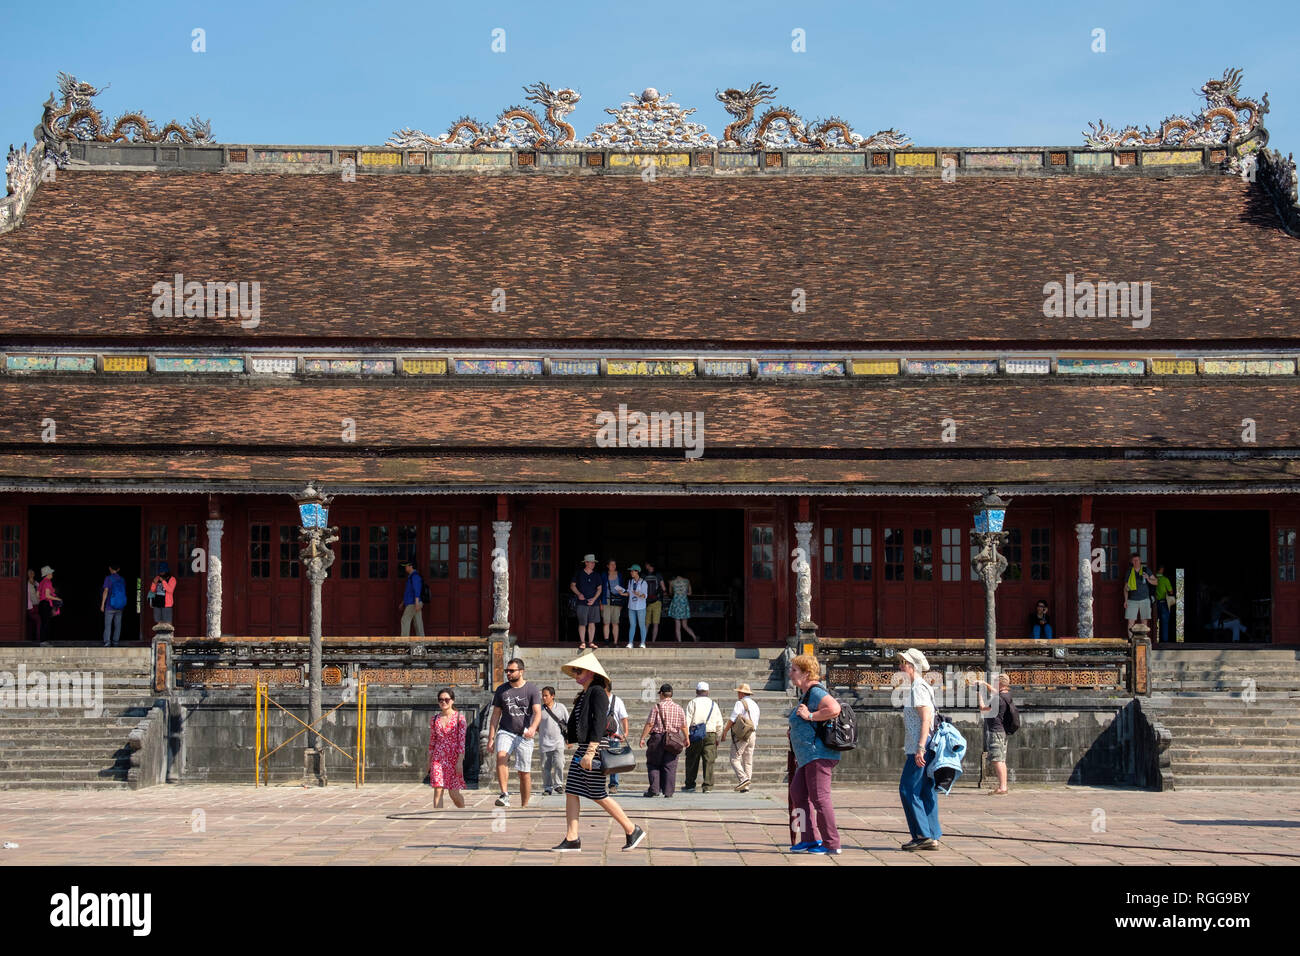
{"points": [[638, 673], [1234, 716], [48, 747]]}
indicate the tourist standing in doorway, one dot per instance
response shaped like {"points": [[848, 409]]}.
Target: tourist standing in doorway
{"points": [[447, 750], [680, 607], [654, 604], [1164, 602], [1040, 623], [413, 601], [915, 786], [555, 720], [704, 724], [812, 813], [1137, 592], [47, 602], [588, 724], [516, 714], [664, 738], [743, 725], [586, 585], [34, 604], [612, 598], [162, 594], [617, 717], [111, 603], [995, 712], [637, 592]]}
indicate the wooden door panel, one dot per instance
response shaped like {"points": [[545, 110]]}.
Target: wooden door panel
{"points": [[13, 574]]}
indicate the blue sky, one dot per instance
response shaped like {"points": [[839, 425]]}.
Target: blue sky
{"points": [[323, 72]]}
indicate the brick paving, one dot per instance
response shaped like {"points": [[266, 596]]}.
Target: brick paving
{"points": [[396, 824]]}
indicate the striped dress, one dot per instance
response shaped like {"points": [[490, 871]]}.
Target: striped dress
{"points": [[584, 783]]}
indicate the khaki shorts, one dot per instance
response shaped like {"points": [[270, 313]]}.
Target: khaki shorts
{"points": [[609, 613], [652, 612], [1137, 610], [998, 746]]}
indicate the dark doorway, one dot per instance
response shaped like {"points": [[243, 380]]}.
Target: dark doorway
{"points": [[706, 546], [78, 542], [1225, 560]]}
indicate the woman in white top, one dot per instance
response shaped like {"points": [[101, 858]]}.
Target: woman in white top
{"points": [[637, 590], [916, 787], [742, 750]]}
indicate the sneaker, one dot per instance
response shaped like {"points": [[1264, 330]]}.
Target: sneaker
{"points": [[503, 800], [634, 839], [547, 792], [928, 845], [649, 793], [910, 845], [568, 846], [741, 787], [819, 848], [613, 789], [690, 789], [643, 647], [559, 790], [707, 789], [629, 647], [805, 846]]}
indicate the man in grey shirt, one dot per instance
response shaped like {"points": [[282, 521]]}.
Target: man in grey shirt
{"points": [[551, 735]]}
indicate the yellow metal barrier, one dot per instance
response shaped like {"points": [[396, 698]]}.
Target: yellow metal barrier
{"points": [[262, 749]]}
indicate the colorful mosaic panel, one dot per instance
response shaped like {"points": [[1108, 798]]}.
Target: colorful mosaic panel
{"points": [[953, 367], [425, 366], [381, 159], [1173, 366], [291, 156], [1101, 367], [275, 366], [827, 159], [728, 368], [420, 675], [1172, 157], [29, 363], [641, 159], [1094, 159], [1250, 366], [321, 366], [875, 366], [1029, 366], [469, 159], [198, 364], [575, 366], [75, 363], [498, 366], [729, 160], [377, 366], [1004, 160], [559, 159], [914, 159], [654, 367], [800, 368], [126, 363]]}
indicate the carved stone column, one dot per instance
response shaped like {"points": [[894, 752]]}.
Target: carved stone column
{"points": [[501, 578], [1084, 611], [802, 567], [214, 576]]}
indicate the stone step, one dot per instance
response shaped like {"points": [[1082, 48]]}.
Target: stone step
{"points": [[1250, 770], [62, 763], [61, 784], [18, 723], [1233, 740], [72, 777], [1185, 755]]}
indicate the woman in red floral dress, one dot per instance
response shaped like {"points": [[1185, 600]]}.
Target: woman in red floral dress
{"points": [[447, 750]]}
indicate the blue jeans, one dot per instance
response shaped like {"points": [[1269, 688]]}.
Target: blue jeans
{"points": [[112, 624], [634, 618], [920, 806], [1163, 609]]}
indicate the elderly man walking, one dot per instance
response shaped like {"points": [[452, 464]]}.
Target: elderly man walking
{"points": [[703, 725], [743, 725]]}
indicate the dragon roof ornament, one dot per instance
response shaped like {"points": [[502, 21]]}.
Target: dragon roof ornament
{"points": [[1226, 120], [77, 118], [782, 128], [517, 127]]}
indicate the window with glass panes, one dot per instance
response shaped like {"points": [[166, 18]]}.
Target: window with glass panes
{"points": [[9, 551], [761, 558], [833, 554], [350, 551], [467, 551], [440, 551], [862, 554], [187, 540], [950, 542], [157, 547], [290, 563], [378, 553], [1014, 554], [259, 551], [895, 551], [1286, 554], [408, 546], [1137, 541], [539, 553], [922, 554], [1109, 541], [1040, 554]]}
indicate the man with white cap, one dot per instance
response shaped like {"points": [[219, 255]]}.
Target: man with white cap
{"points": [[743, 725], [703, 725]]}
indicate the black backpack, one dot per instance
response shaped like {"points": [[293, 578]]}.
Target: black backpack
{"points": [[841, 732], [1011, 719], [424, 591]]}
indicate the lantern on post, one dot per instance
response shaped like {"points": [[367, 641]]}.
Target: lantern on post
{"points": [[316, 536]]}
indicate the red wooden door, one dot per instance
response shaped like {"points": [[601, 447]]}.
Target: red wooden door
{"points": [[895, 571], [276, 582], [845, 573], [534, 605], [1118, 534], [1032, 559], [13, 574], [174, 533], [760, 593], [1286, 588], [471, 580]]}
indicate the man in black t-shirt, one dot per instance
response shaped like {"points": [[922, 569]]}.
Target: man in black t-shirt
{"points": [[516, 714], [995, 710], [586, 584], [653, 600]]}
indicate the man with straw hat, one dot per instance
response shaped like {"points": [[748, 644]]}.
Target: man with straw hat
{"points": [[587, 725], [743, 725]]}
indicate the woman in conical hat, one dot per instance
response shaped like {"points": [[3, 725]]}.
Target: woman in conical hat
{"points": [[587, 721]]}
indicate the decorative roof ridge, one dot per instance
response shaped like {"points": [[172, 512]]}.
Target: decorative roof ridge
{"points": [[1280, 180], [23, 171]]}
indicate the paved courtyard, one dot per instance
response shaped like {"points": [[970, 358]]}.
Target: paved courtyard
{"points": [[396, 824]]}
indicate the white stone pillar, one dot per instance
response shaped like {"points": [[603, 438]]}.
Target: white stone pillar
{"points": [[1084, 531], [501, 576], [214, 576], [803, 572]]}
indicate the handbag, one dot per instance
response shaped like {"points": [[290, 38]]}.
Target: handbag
{"points": [[743, 726], [675, 739], [701, 730], [615, 756]]}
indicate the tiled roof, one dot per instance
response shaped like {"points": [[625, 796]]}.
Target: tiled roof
{"points": [[683, 261]]}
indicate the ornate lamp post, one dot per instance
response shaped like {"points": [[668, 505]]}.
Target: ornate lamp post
{"points": [[316, 537], [990, 513]]}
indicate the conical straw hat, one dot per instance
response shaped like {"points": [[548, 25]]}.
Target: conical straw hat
{"points": [[587, 662]]}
